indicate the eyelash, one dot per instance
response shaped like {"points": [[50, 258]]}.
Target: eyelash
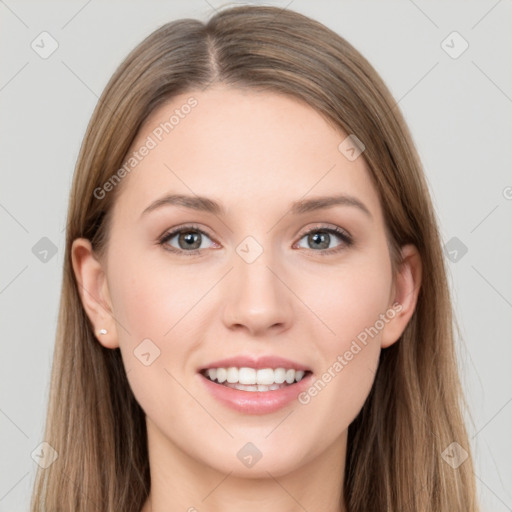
{"points": [[341, 233]]}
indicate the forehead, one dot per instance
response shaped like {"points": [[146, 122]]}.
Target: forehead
{"points": [[248, 149]]}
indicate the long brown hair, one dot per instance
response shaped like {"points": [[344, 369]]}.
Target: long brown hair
{"points": [[414, 410]]}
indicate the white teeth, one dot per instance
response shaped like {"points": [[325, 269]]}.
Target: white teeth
{"points": [[251, 379], [290, 376], [266, 376], [242, 387], [232, 375], [221, 374], [247, 376], [279, 375]]}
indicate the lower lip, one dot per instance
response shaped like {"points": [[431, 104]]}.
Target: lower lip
{"points": [[256, 402]]}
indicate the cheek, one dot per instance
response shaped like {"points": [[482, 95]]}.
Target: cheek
{"points": [[151, 296], [157, 324], [350, 300], [351, 304]]}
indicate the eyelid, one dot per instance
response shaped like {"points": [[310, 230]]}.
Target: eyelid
{"points": [[325, 226], [184, 227]]}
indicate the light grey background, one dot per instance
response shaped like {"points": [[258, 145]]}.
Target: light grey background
{"points": [[459, 112]]}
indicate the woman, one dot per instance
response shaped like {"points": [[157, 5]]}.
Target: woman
{"points": [[254, 309]]}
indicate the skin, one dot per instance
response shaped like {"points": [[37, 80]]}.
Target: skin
{"points": [[255, 153]]}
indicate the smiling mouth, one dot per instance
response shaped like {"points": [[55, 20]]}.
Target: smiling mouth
{"points": [[252, 379]]}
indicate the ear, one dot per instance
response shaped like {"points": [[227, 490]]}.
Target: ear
{"points": [[404, 294], [94, 293]]}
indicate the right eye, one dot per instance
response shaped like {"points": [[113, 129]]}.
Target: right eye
{"points": [[189, 239]]}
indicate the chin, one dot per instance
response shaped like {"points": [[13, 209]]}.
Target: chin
{"points": [[256, 459]]}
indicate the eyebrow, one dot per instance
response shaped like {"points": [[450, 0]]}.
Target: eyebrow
{"points": [[298, 207]]}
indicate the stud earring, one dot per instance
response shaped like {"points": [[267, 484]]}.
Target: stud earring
{"points": [[103, 331]]}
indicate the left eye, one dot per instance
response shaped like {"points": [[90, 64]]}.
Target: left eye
{"points": [[322, 238]]}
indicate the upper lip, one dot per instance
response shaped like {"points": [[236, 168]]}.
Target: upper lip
{"points": [[247, 361]]}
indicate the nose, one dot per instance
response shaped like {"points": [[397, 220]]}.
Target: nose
{"points": [[258, 301]]}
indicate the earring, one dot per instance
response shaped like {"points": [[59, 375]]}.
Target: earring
{"points": [[103, 331]]}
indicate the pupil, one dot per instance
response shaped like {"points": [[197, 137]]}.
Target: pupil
{"points": [[320, 240]]}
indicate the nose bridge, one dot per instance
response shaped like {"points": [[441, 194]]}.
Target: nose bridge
{"points": [[258, 300]]}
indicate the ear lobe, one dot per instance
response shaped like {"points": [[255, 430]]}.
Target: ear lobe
{"points": [[94, 293], [405, 294]]}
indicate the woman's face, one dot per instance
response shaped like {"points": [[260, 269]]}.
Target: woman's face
{"points": [[258, 276]]}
